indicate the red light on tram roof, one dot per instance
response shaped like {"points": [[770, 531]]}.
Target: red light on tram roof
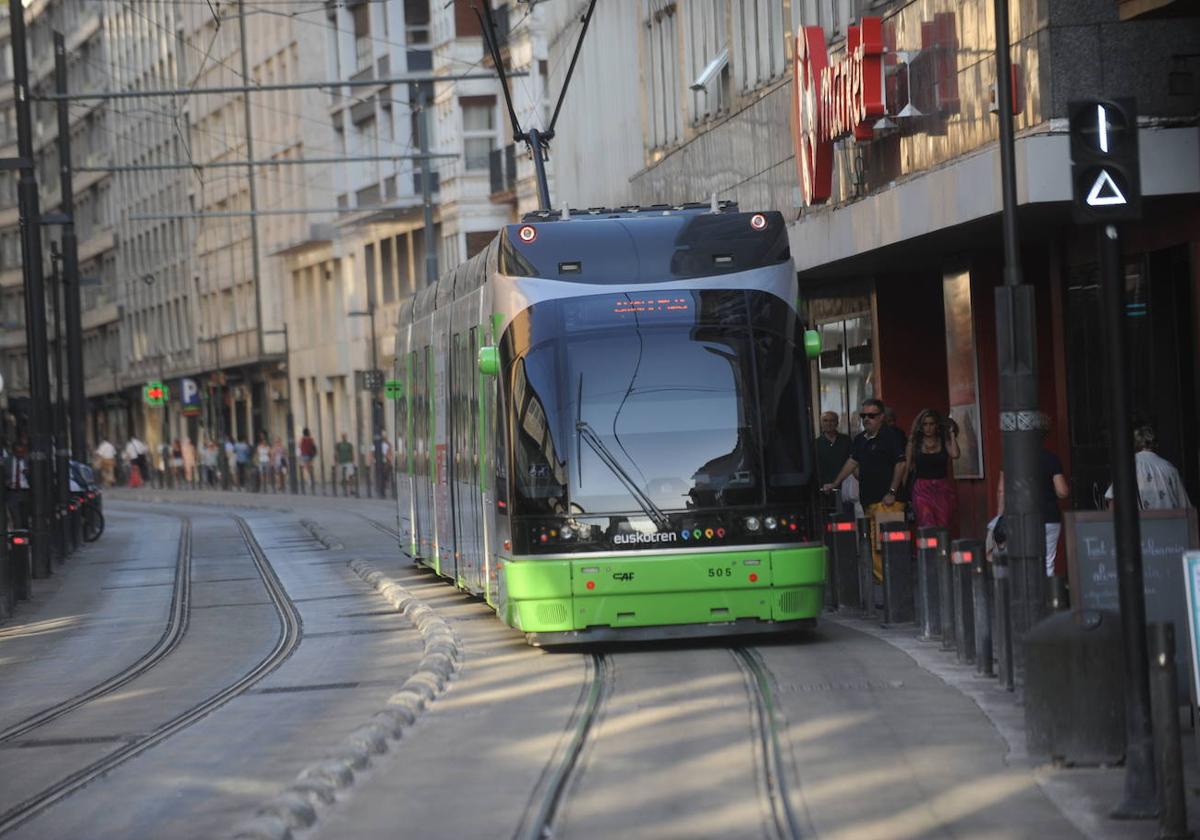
{"points": [[753, 577], [527, 233], [758, 221], [591, 584]]}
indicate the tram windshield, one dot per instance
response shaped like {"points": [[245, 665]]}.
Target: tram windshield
{"points": [[657, 403]]}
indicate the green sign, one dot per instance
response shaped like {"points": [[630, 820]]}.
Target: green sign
{"points": [[155, 393], [393, 389]]}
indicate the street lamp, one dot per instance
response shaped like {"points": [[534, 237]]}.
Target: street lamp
{"points": [[291, 419], [373, 386]]}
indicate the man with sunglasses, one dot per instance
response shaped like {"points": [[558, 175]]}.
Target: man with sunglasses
{"points": [[878, 455]]}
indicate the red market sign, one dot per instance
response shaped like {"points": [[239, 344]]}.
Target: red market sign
{"points": [[834, 101]]}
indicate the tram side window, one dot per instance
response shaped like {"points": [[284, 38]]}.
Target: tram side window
{"points": [[785, 433], [472, 375]]}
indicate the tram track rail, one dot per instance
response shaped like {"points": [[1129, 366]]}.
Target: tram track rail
{"points": [[173, 633], [286, 642], [379, 526], [773, 778], [551, 792]]}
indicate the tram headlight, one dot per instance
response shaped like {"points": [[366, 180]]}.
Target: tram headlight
{"points": [[753, 524], [771, 522]]}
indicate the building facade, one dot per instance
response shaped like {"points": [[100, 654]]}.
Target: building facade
{"points": [[92, 139], [895, 222]]}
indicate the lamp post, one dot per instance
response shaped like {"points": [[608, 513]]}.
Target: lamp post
{"points": [[291, 418], [61, 446]]}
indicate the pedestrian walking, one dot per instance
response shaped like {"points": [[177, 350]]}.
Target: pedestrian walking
{"points": [[211, 460], [231, 464], [189, 461], [137, 455], [106, 460], [929, 456], [279, 463], [307, 452], [262, 459], [343, 454], [1159, 484], [177, 461], [241, 451], [833, 448], [877, 454], [1052, 486]]}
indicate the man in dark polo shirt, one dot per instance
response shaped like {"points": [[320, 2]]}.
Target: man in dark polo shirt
{"points": [[833, 448], [878, 455]]}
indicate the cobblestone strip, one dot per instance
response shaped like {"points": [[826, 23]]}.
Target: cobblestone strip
{"points": [[321, 535], [318, 784]]}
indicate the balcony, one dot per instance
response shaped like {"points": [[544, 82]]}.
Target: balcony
{"points": [[502, 169]]}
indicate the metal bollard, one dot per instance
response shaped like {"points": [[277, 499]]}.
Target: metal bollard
{"points": [[843, 559], [981, 602], [946, 591], [22, 564], [1168, 751], [866, 569], [932, 546], [962, 555], [896, 549], [1002, 588]]}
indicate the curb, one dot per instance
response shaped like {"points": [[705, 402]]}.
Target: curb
{"points": [[321, 535], [318, 784]]}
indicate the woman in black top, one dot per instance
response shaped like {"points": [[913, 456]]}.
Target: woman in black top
{"points": [[932, 446]]}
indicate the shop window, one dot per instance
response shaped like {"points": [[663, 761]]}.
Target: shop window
{"points": [[845, 369]]}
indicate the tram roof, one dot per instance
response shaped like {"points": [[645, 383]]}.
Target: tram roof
{"points": [[629, 212]]}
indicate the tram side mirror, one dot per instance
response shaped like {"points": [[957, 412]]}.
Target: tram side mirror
{"points": [[489, 361], [812, 344]]}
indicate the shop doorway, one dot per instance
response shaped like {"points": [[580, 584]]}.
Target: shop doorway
{"points": [[1162, 353]]}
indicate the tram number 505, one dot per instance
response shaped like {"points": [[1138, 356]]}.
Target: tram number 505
{"points": [[720, 572]]}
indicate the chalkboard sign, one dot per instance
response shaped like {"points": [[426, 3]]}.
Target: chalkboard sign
{"points": [[1092, 567]]}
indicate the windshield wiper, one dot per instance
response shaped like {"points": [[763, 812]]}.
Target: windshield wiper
{"points": [[660, 519]]}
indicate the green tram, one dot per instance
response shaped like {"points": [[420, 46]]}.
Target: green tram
{"points": [[603, 429]]}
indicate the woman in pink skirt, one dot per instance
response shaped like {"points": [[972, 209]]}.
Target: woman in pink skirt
{"points": [[932, 448]]}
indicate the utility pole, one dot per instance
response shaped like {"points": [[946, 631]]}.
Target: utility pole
{"points": [[61, 456], [35, 299], [431, 263], [70, 260], [254, 249], [1021, 424], [291, 417]]}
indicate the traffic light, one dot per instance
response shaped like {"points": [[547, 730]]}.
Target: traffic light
{"points": [[1106, 184]]}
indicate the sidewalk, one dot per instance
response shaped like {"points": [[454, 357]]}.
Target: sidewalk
{"points": [[1084, 795]]}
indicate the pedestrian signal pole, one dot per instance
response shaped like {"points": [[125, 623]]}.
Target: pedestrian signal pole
{"points": [[1106, 188]]}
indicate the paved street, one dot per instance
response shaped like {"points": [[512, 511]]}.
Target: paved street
{"points": [[157, 687]]}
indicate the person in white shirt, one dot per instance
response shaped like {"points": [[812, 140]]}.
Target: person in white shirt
{"points": [[1159, 484], [106, 454]]}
